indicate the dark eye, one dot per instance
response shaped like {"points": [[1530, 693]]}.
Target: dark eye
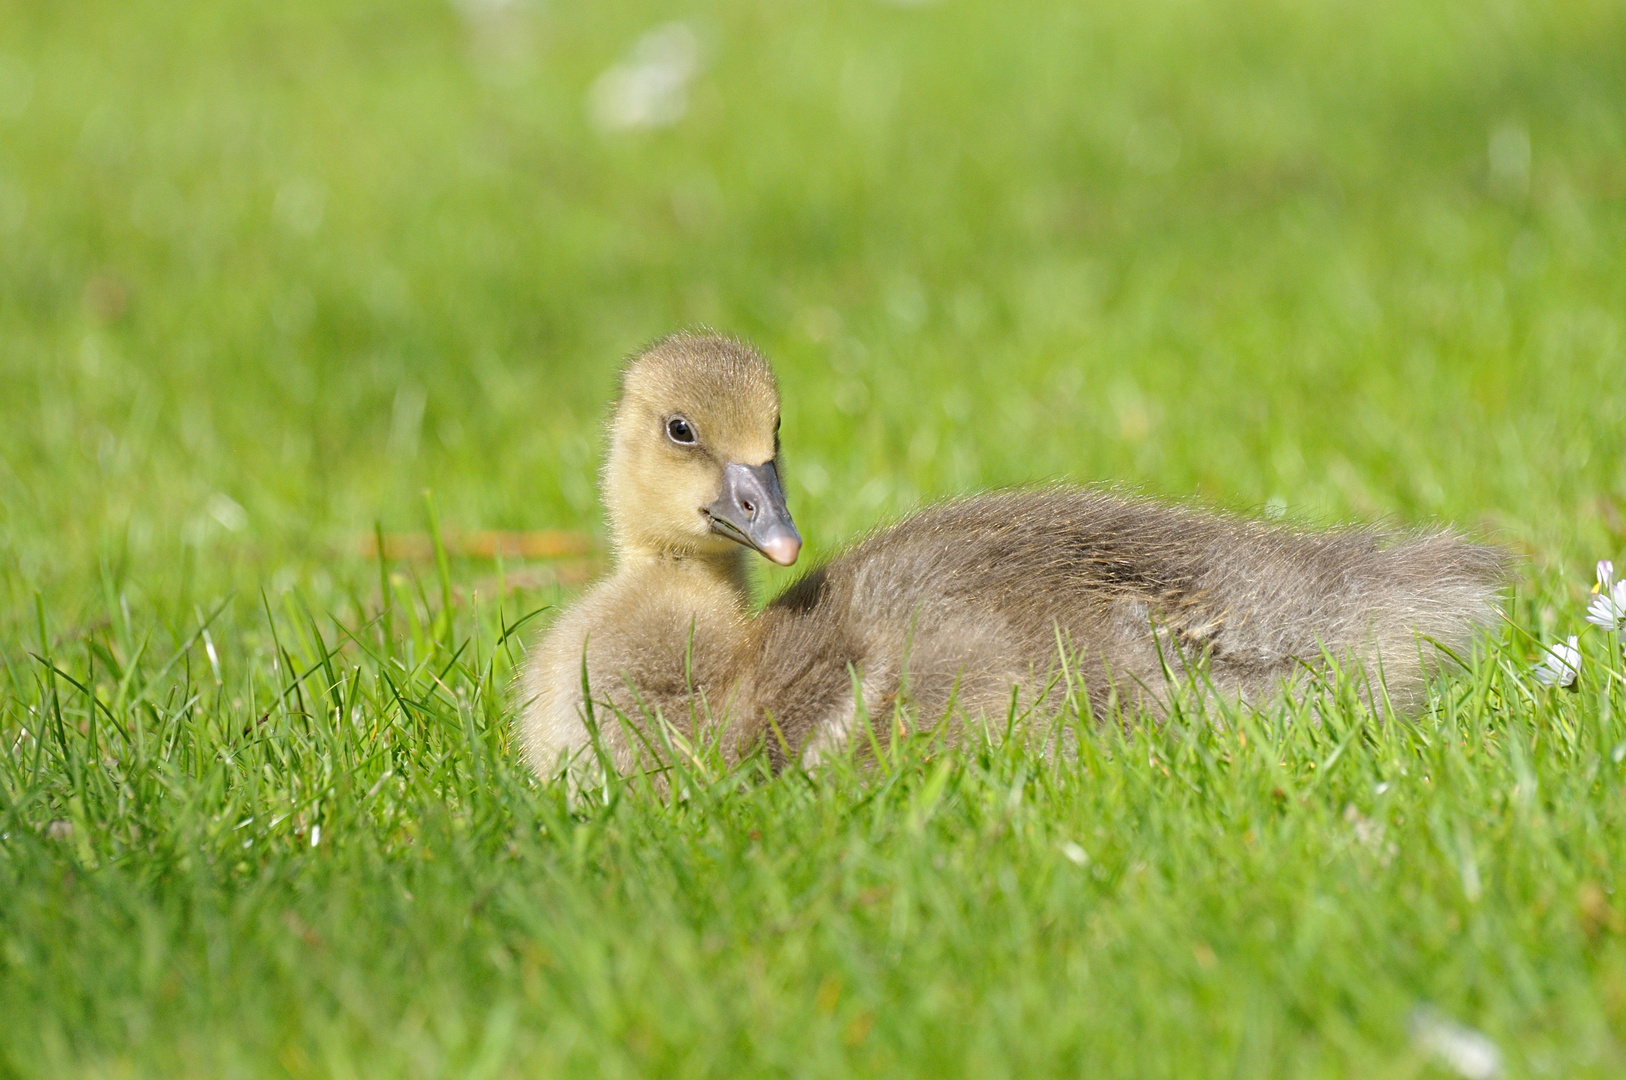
{"points": [[680, 430]]}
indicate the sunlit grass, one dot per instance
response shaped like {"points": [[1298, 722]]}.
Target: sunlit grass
{"points": [[269, 271], [328, 859]]}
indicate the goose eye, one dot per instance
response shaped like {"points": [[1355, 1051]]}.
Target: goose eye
{"points": [[680, 430]]}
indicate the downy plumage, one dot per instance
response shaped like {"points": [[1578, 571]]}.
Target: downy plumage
{"points": [[949, 610]]}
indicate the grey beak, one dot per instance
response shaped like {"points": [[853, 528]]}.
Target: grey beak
{"points": [[751, 511]]}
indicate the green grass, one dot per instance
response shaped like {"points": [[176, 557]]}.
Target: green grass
{"points": [[268, 271]]}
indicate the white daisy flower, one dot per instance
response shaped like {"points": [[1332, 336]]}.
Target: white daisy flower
{"points": [[1560, 664], [1467, 1052], [650, 88], [1608, 608]]}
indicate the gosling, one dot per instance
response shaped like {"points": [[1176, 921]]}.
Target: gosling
{"points": [[959, 613]]}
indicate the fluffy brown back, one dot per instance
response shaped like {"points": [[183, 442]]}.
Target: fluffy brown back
{"points": [[960, 602]]}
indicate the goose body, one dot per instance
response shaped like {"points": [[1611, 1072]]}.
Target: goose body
{"points": [[955, 611]]}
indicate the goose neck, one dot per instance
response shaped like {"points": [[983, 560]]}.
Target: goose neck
{"points": [[725, 570]]}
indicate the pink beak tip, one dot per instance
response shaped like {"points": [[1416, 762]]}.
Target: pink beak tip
{"points": [[782, 551]]}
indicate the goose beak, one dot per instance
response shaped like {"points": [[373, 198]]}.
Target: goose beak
{"points": [[751, 511]]}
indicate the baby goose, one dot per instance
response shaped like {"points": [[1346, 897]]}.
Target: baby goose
{"points": [[951, 610]]}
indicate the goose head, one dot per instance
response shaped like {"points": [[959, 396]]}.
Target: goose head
{"points": [[693, 465]]}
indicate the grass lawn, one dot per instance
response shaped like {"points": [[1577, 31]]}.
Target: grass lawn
{"points": [[270, 271]]}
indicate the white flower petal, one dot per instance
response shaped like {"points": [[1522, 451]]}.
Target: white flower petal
{"points": [[1606, 574], [650, 88], [1547, 676], [1608, 610], [1560, 663], [1465, 1051]]}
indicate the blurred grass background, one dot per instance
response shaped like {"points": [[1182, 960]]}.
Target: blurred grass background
{"points": [[270, 270], [317, 257]]}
